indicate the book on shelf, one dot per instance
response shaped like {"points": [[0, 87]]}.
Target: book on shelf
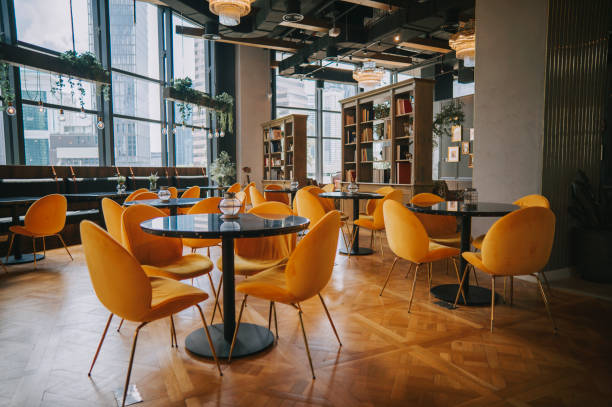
{"points": [[349, 118], [350, 175], [366, 134], [403, 106], [402, 152], [404, 172], [366, 154], [351, 136], [366, 114]]}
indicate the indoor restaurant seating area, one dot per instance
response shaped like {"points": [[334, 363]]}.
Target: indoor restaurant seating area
{"points": [[305, 203]]}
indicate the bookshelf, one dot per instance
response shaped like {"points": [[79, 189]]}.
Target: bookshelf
{"points": [[387, 135], [284, 147]]}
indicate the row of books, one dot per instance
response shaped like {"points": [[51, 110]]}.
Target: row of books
{"points": [[403, 106], [366, 114], [366, 154], [272, 161], [351, 136], [275, 146], [349, 119], [366, 134]]}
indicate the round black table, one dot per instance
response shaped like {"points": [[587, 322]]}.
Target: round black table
{"points": [[172, 204], [251, 338], [211, 189], [355, 250], [474, 295], [291, 191]]}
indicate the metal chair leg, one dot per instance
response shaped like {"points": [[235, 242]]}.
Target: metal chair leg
{"points": [[330, 319], [382, 253], [475, 275], [129, 372], [460, 279], [10, 247], [217, 304], [120, 324], [270, 316], [275, 320], [306, 341], [173, 341], [65, 247], [511, 290], [388, 275], [229, 357], [100, 344], [212, 347], [44, 247], [492, 300], [543, 275], [416, 272], [460, 290], [409, 269], [216, 294], [546, 304], [34, 247]]}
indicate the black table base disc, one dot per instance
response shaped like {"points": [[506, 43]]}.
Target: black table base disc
{"points": [[361, 251], [478, 296], [25, 258], [251, 339]]}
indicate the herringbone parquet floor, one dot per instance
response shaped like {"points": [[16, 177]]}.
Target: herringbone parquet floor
{"points": [[51, 321]]}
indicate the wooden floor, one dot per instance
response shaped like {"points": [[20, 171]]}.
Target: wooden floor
{"points": [[51, 321]]}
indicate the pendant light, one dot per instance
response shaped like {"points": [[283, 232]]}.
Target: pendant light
{"points": [[100, 124], [230, 11], [368, 75], [464, 43], [62, 116], [10, 109]]}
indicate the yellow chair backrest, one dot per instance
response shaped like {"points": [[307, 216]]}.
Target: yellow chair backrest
{"points": [[256, 197], [117, 278], [371, 203], [309, 206], [193, 192], [246, 189], [520, 242], [112, 212], [131, 196], [436, 225], [241, 195], [327, 203], [234, 188], [208, 205], [406, 235], [379, 219], [145, 195], [533, 200], [329, 188], [270, 247], [310, 266], [270, 195], [147, 248], [47, 216], [173, 192]]}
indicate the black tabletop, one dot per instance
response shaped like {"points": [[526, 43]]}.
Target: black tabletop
{"points": [[170, 203], [214, 187], [212, 226], [284, 191], [459, 208], [351, 195]]}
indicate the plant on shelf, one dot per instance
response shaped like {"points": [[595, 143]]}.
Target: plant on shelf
{"points": [[85, 65], [223, 170], [225, 116], [450, 115], [120, 183], [6, 91], [381, 111], [153, 181]]}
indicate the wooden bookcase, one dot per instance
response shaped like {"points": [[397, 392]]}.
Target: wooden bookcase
{"points": [[284, 142], [393, 148]]}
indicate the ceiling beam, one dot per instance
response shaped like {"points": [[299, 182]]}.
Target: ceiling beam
{"points": [[260, 42], [309, 24], [303, 53], [385, 59], [325, 73], [427, 44], [381, 5]]}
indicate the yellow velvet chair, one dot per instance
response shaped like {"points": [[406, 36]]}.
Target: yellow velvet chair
{"points": [[125, 290], [131, 196], [234, 188], [371, 203], [256, 197], [112, 213], [192, 193], [45, 217], [408, 240], [246, 189], [376, 223], [304, 276], [241, 196], [329, 188], [517, 244], [173, 192], [441, 229], [270, 195], [311, 206], [208, 205], [144, 196]]}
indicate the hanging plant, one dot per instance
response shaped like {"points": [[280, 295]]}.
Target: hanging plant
{"points": [[226, 116], [7, 95], [186, 111], [86, 65], [450, 115], [223, 170]]}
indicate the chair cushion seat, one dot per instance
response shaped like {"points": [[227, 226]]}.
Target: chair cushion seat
{"points": [[450, 240], [270, 285], [365, 216], [188, 266], [363, 222], [21, 230], [170, 296], [439, 252], [248, 267], [477, 242]]}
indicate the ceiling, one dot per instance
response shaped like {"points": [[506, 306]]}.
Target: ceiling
{"points": [[397, 34]]}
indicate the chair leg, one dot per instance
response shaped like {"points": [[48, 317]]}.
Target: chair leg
{"points": [[543, 275], [120, 324], [382, 253], [65, 247], [409, 269], [270, 316], [330, 319], [100, 344], [10, 247], [460, 290], [475, 275], [216, 305], [229, 357], [129, 372], [44, 247], [388, 275], [34, 248], [416, 272], [343, 237], [546, 304], [212, 347], [492, 300], [306, 341], [275, 319], [371, 238], [173, 341], [460, 280], [429, 267], [511, 290]]}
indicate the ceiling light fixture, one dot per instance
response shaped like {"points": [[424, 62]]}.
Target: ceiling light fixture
{"points": [[368, 75], [230, 11], [294, 12], [464, 43]]}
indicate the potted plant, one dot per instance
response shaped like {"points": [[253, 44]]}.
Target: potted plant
{"points": [[450, 115], [153, 181], [121, 184], [223, 170], [591, 232]]}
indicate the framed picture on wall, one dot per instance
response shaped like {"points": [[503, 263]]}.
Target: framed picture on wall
{"points": [[471, 161], [453, 154], [456, 133], [465, 147]]}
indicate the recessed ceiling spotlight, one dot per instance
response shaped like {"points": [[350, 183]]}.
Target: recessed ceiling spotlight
{"points": [[294, 13], [334, 32], [396, 37]]}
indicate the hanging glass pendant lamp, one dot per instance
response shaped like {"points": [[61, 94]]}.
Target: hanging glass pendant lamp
{"points": [[368, 75], [230, 11]]}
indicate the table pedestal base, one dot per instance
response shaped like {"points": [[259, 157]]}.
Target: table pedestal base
{"points": [[25, 258], [251, 339], [361, 251], [477, 296]]}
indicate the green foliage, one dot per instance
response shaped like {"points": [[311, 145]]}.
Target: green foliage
{"points": [[226, 116], [6, 92], [382, 110], [450, 115], [223, 170], [84, 64]]}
